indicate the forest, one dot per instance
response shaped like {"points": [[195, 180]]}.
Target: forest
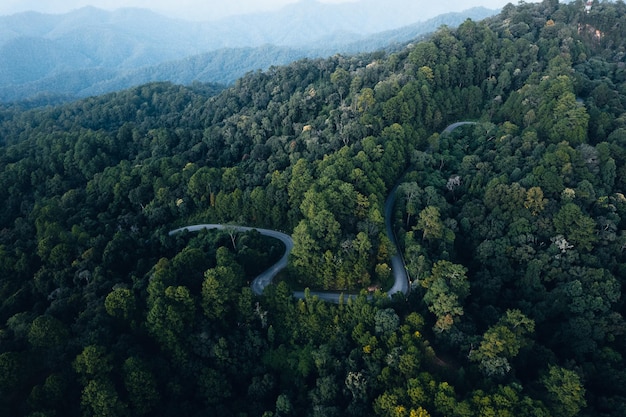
{"points": [[511, 229]]}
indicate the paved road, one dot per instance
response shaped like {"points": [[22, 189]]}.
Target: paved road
{"points": [[263, 280], [400, 275], [453, 126], [329, 297], [401, 278]]}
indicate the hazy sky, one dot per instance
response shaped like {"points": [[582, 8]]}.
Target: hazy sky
{"points": [[201, 9]]}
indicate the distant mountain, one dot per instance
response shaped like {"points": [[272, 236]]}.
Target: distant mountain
{"points": [[402, 35], [223, 66], [123, 38], [91, 51], [309, 20]]}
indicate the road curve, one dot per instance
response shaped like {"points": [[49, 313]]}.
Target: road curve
{"points": [[266, 277], [263, 280], [453, 126], [401, 282], [400, 275]]}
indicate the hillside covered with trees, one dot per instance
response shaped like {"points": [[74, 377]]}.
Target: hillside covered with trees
{"points": [[511, 228], [55, 58]]}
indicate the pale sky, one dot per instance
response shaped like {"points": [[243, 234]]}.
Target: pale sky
{"points": [[202, 9]]}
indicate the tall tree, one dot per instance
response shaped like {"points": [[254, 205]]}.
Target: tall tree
{"points": [[446, 289]]}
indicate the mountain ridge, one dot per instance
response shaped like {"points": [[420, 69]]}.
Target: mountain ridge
{"points": [[512, 232], [92, 51]]}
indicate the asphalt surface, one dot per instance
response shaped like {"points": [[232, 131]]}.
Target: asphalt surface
{"points": [[401, 278], [400, 275], [263, 280], [453, 126]]}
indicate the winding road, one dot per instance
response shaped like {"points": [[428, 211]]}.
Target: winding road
{"points": [[401, 282], [266, 277], [263, 280], [400, 275]]}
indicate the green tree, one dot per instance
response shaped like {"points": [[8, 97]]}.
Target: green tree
{"points": [[412, 193], [305, 247], [386, 321], [170, 315], [502, 342], [47, 332], [341, 80], [570, 121], [578, 228], [215, 293], [93, 362], [565, 391], [283, 406], [535, 202], [446, 289], [430, 224], [120, 303], [99, 399], [203, 186], [140, 385], [301, 181]]}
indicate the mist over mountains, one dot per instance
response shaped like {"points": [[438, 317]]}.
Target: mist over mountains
{"points": [[92, 51]]}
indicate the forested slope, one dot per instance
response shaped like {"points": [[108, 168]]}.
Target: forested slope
{"points": [[512, 230], [90, 51]]}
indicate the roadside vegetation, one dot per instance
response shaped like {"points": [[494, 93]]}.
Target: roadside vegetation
{"points": [[512, 230]]}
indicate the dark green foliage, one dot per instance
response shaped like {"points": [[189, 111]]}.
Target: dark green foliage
{"points": [[511, 229]]}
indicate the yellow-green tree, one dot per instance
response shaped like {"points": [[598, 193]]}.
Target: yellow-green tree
{"points": [[565, 392], [446, 289]]}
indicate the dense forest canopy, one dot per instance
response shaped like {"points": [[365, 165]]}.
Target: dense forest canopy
{"points": [[512, 230]]}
